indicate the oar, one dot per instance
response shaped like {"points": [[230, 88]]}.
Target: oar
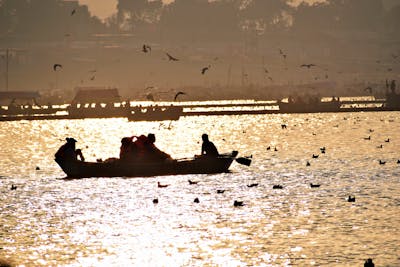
{"points": [[244, 160]]}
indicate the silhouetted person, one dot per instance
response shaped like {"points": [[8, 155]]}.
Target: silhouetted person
{"points": [[208, 148], [68, 151], [127, 149], [369, 263], [152, 152]]}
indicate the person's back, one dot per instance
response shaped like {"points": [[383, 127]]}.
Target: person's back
{"points": [[67, 151], [152, 152], [208, 148], [369, 263]]}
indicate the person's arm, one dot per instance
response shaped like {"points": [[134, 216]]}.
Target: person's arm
{"points": [[203, 149]]}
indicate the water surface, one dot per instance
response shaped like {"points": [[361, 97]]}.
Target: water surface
{"points": [[49, 221]]}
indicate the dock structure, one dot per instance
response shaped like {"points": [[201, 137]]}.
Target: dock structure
{"points": [[78, 110]]}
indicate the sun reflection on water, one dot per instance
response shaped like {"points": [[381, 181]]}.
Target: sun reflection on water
{"points": [[113, 222]]}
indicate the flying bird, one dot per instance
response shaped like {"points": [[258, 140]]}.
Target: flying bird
{"points": [[203, 70], [55, 66], [73, 12], [368, 89], [266, 70], [307, 65], [150, 97], [171, 58], [178, 94], [146, 48]]}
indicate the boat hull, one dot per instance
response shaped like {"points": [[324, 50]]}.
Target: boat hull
{"points": [[117, 168]]}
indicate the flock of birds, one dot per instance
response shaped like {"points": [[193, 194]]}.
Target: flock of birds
{"points": [[236, 203]]}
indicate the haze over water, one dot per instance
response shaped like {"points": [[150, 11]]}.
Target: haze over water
{"points": [[48, 221]]}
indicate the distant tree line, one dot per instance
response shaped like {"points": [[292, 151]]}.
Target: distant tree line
{"points": [[196, 20]]}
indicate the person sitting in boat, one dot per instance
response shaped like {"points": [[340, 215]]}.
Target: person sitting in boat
{"points": [[68, 151], [127, 149], [152, 153], [208, 148]]}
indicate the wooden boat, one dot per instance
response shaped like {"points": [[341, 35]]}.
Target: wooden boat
{"points": [[155, 113], [310, 107], [117, 168]]}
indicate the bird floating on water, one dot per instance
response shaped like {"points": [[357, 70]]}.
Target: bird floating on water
{"points": [[314, 185], [192, 182], [237, 203], [381, 162], [315, 156], [220, 191], [13, 187], [308, 163], [155, 201], [252, 185], [162, 185], [277, 186], [196, 200], [351, 199]]}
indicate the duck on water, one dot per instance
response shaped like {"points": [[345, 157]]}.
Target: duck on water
{"points": [[140, 157]]}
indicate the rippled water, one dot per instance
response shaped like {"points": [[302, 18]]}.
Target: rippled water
{"points": [[48, 221]]}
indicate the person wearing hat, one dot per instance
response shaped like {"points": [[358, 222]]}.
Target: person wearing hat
{"points": [[68, 151], [208, 148]]}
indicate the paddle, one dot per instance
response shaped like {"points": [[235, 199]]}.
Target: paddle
{"points": [[244, 161]]}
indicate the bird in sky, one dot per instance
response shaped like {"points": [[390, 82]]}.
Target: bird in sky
{"points": [[203, 70], [73, 12], [307, 65], [92, 78], [146, 48], [266, 70], [368, 89], [178, 94], [282, 53], [55, 66], [171, 58], [150, 97]]}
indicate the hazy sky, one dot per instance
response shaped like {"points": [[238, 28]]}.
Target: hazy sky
{"points": [[105, 8]]}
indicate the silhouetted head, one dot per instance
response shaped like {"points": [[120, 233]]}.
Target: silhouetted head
{"points": [[204, 137], [70, 140], [151, 137], [126, 140]]}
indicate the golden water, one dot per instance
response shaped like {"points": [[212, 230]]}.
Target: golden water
{"points": [[48, 221]]}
